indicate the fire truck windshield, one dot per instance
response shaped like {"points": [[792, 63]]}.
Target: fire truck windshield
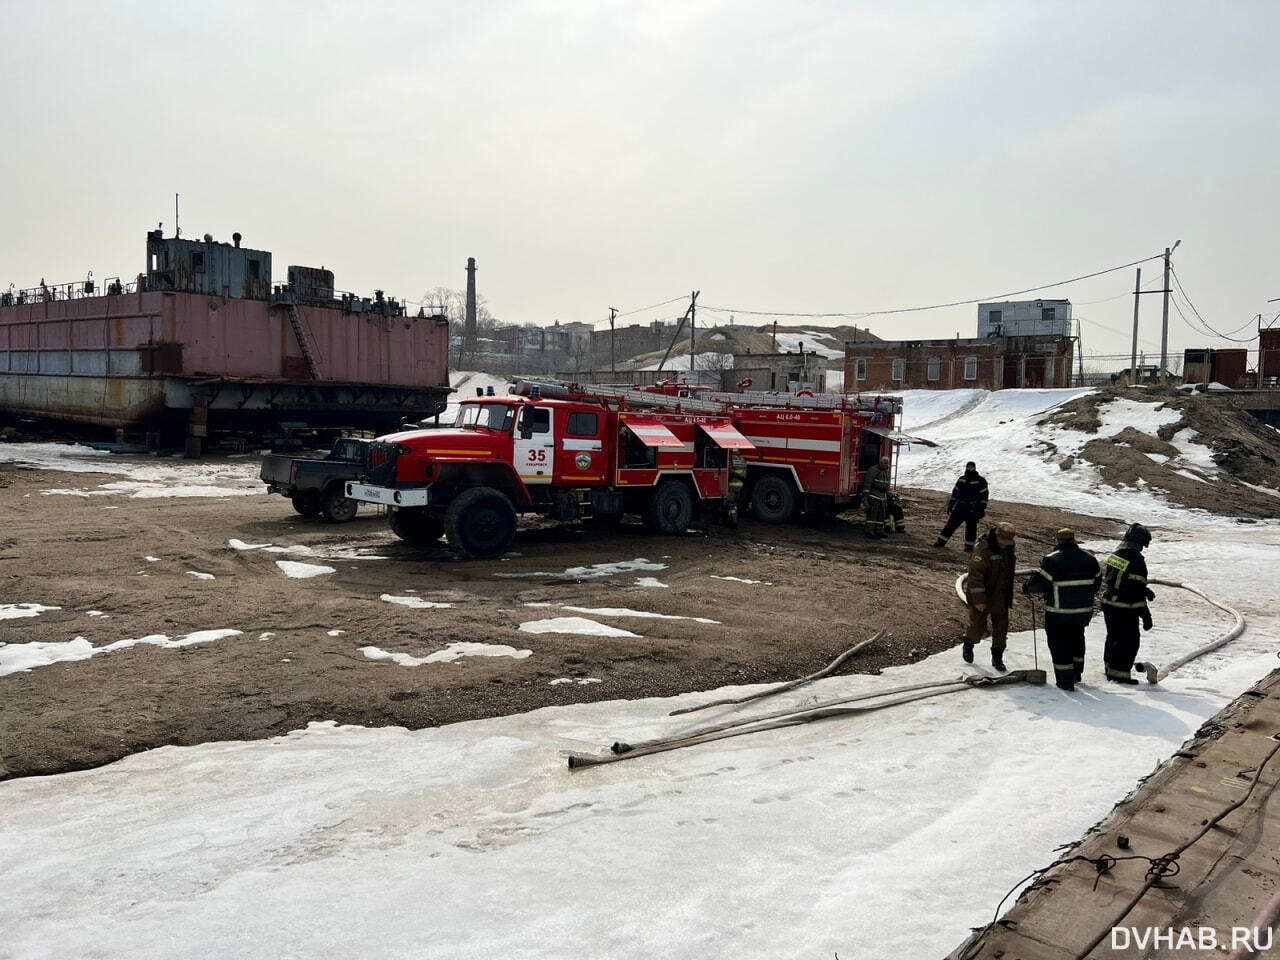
{"points": [[487, 416]]}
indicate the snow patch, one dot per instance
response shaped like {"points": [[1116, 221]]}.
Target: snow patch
{"points": [[454, 651], [302, 571], [577, 625]]}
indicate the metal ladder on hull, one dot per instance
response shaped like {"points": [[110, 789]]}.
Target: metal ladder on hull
{"points": [[309, 354]]}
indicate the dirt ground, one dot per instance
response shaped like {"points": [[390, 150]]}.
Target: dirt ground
{"points": [[821, 589]]}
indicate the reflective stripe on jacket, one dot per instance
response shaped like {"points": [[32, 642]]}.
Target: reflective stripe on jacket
{"points": [[875, 485], [1125, 576], [970, 494], [1068, 579]]}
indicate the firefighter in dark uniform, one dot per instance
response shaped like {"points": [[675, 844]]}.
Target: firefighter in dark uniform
{"points": [[875, 495], [1068, 580], [989, 592], [1124, 603], [968, 505]]}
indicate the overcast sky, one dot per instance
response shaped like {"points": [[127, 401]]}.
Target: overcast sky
{"points": [[780, 157]]}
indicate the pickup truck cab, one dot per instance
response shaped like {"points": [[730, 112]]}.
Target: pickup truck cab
{"points": [[317, 485]]}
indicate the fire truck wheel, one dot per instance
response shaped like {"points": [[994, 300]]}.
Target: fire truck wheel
{"points": [[306, 504], [670, 509], [416, 527], [773, 499], [480, 524], [336, 508]]}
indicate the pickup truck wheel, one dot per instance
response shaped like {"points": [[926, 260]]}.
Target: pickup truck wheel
{"points": [[336, 508], [670, 509], [773, 499], [416, 527], [480, 524], [306, 504]]}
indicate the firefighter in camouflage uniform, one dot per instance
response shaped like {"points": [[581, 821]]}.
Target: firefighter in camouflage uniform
{"points": [[1124, 603], [989, 592]]}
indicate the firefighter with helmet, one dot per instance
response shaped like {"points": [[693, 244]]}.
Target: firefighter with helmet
{"points": [[875, 495], [1124, 603]]}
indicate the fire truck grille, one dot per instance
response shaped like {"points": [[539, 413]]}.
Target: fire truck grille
{"points": [[381, 463]]}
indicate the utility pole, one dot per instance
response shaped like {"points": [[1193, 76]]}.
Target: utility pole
{"points": [[693, 343], [1080, 353], [1164, 330], [613, 366], [1133, 353]]}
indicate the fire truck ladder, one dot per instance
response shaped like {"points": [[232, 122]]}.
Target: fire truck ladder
{"points": [[634, 396], [817, 401], [707, 402], [309, 353]]}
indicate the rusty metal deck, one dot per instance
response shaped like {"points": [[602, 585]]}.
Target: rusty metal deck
{"points": [[1223, 881]]}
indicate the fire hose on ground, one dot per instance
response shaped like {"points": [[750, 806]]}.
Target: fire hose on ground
{"points": [[1154, 674], [794, 716]]}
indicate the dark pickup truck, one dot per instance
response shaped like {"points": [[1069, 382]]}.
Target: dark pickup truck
{"points": [[317, 486]]}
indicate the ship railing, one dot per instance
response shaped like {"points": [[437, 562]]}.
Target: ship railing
{"points": [[75, 290]]}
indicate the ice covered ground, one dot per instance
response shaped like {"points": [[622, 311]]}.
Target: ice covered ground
{"points": [[888, 834], [144, 476]]}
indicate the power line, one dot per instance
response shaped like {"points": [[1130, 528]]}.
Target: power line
{"points": [[1212, 332], [1151, 345], [858, 315], [654, 306]]}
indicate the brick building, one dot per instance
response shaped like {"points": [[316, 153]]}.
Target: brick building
{"points": [[988, 363], [1269, 357], [1228, 367]]}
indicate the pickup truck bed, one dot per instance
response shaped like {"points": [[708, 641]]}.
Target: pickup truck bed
{"points": [[317, 485]]}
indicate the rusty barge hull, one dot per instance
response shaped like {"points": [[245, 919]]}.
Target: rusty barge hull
{"points": [[228, 403], [203, 338]]}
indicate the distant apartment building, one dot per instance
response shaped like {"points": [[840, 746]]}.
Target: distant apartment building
{"points": [[632, 340], [1019, 344]]}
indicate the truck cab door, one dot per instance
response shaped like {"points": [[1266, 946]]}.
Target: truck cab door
{"points": [[535, 445], [581, 459]]}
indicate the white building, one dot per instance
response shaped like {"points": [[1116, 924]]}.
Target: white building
{"points": [[1024, 318]]}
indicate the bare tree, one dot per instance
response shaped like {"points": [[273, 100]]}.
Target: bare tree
{"points": [[453, 303], [720, 364]]}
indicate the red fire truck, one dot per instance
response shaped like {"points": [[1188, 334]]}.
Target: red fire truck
{"points": [[811, 452], [553, 449]]}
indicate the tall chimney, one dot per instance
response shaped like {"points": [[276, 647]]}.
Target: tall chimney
{"points": [[469, 328]]}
